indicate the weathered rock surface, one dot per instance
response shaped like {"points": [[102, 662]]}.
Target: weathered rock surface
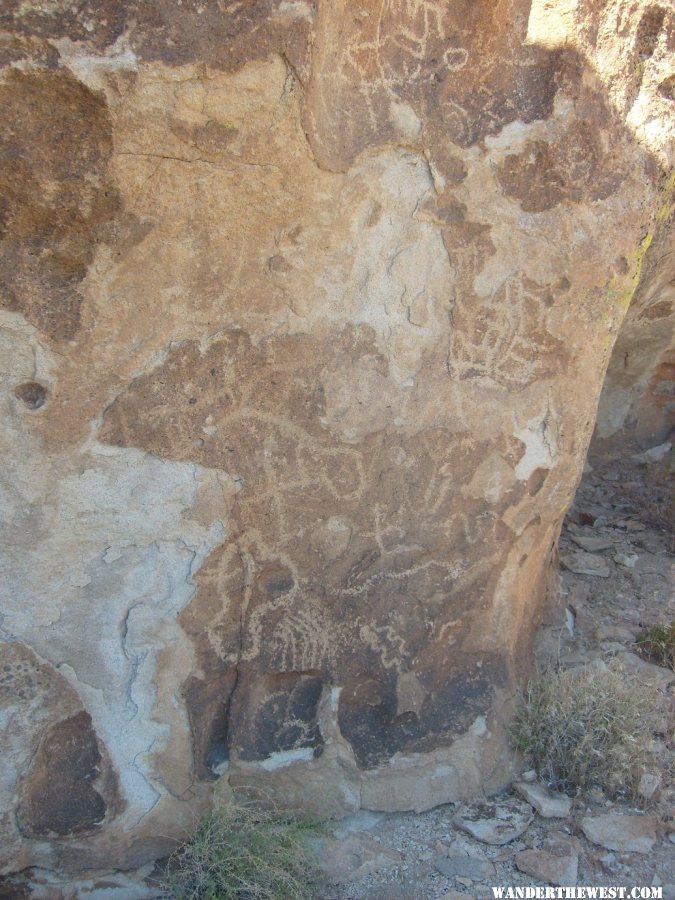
{"points": [[635, 834], [495, 823], [464, 866], [305, 313], [583, 563], [556, 861], [353, 857], [592, 543], [549, 804]]}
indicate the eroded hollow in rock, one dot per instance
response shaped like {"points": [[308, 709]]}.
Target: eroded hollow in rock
{"points": [[32, 394]]}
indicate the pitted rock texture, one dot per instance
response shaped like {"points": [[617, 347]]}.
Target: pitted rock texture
{"points": [[306, 309]]}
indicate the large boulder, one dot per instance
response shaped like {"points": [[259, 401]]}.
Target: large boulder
{"points": [[306, 309]]}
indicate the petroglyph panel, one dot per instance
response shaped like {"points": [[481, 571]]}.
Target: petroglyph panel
{"points": [[305, 310], [504, 337], [459, 70], [277, 599]]}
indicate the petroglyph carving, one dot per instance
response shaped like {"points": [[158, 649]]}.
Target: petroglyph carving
{"points": [[304, 320], [504, 337]]}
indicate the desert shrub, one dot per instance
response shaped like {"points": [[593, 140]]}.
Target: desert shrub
{"points": [[588, 727], [657, 644], [245, 851]]}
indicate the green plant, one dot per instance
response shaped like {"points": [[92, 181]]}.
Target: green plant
{"points": [[588, 727], [657, 644], [245, 851]]}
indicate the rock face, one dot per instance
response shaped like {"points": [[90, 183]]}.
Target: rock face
{"points": [[637, 403], [306, 309]]}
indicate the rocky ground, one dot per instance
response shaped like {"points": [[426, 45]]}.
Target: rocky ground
{"points": [[616, 578]]}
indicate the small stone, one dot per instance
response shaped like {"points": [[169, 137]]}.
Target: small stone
{"points": [[466, 882], [649, 784], [635, 834], [592, 542], [530, 775], [627, 560], [462, 846], [464, 866], [496, 823], [634, 525], [545, 866], [656, 454], [549, 804], [457, 895], [582, 563]]}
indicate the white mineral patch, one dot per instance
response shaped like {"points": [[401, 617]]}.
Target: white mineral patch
{"points": [[541, 450], [286, 758], [99, 534], [399, 273]]}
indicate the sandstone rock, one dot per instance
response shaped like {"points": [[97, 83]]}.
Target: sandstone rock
{"points": [[583, 563], [636, 401], [498, 822], [462, 846], [101, 885], [464, 866], [634, 525], [647, 672], [627, 560], [546, 866], [591, 542], [649, 784], [656, 454], [353, 857], [549, 804], [635, 834], [304, 316]]}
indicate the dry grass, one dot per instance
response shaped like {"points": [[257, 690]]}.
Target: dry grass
{"points": [[245, 851], [657, 645], [588, 727]]}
